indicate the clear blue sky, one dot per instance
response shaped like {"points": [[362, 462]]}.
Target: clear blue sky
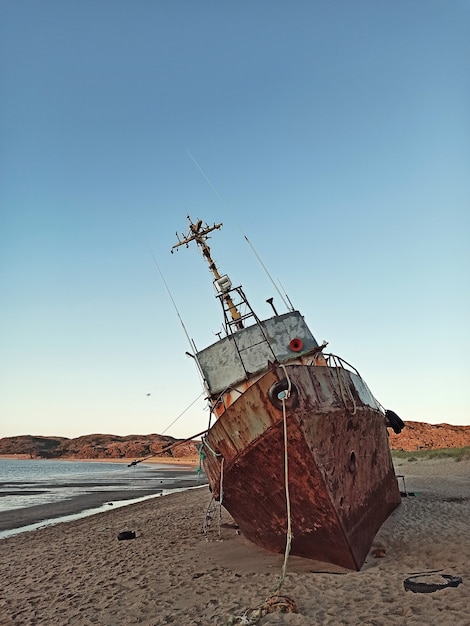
{"points": [[336, 135]]}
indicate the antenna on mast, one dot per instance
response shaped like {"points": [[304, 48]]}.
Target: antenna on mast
{"points": [[200, 233], [224, 204]]}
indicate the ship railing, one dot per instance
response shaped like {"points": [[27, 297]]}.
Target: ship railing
{"points": [[333, 360]]}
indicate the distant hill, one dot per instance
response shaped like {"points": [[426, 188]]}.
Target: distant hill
{"points": [[95, 446], [418, 435], [415, 435]]}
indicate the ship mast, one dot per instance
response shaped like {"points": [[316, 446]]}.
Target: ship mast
{"points": [[199, 233]]}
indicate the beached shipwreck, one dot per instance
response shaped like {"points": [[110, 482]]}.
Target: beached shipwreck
{"points": [[298, 448]]}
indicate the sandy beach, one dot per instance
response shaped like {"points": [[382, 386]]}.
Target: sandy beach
{"points": [[78, 572]]}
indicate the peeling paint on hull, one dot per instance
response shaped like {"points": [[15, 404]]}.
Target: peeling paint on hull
{"points": [[342, 485]]}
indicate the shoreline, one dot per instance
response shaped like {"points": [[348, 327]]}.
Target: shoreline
{"points": [[89, 497], [189, 460], [91, 502], [65, 515]]}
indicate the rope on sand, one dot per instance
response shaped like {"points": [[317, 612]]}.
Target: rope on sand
{"points": [[284, 604]]}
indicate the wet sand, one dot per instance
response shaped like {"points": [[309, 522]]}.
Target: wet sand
{"points": [[26, 516], [78, 573]]}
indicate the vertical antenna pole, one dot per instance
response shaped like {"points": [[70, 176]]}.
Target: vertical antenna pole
{"points": [[199, 234]]}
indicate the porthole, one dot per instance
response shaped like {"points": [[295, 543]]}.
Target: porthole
{"points": [[352, 462]]}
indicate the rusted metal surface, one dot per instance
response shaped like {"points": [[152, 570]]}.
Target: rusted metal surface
{"points": [[245, 353], [341, 480]]}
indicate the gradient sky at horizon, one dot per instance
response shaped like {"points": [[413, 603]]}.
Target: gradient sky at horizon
{"points": [[335, 135]]}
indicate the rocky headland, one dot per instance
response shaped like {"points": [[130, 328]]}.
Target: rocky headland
{"points": [[415, 436], [419, 435], [97, 446]]}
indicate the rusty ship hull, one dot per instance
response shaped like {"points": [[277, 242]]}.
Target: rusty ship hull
{"points": [[298, 437], [341, 481]]}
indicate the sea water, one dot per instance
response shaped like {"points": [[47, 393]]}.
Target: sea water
{"points": [[31, 482]]}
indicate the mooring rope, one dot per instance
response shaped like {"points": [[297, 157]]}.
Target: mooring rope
{"points": [[221, 496], [204, 443], [275, 602], [283, 604], [202, 457], [284, 397], [221, 486]]}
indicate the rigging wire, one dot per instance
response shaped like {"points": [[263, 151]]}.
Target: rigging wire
{"points": [[191, 343], [163, 450], [285, 293], [225, 205], [172, 299], [182, 413]]}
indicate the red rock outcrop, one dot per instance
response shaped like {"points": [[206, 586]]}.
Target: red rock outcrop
{"points": [[415, 436], [418, 435], [96, 446]]}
